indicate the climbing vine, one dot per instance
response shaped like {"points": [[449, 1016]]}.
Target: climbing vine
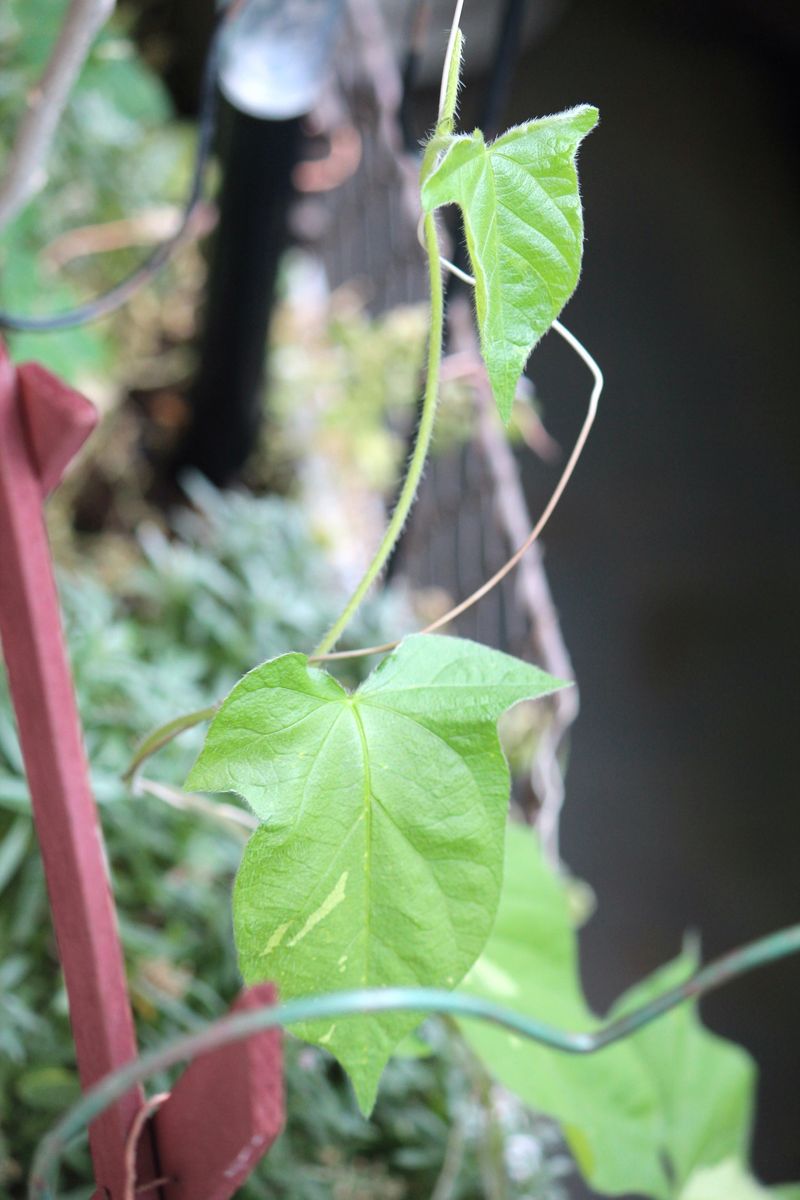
{"points": [[383, 857], [380, 856]]}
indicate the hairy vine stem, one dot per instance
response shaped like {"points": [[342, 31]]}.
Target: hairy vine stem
{"points": [[448, 99], [391, 999], [535, 533], [421, 447], [165, 733]]}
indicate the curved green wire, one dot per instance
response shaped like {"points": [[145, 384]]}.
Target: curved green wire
{"points": [[236, 1027]]}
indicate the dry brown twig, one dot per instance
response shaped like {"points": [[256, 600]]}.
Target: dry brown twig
{"points": [[25, 172], [193, 803], [533, 592], [145, 228]]}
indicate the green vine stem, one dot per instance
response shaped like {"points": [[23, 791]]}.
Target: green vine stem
{"points": [[162, 736], [549, 509], [391, 999], [165, 733], [421, 447]]}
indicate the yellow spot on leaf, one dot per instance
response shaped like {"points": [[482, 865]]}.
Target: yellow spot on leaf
{"points": [[327, 907], [276, 938]]}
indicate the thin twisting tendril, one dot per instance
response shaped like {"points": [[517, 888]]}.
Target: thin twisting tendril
{"points": [[536, 532], [235, 1028], [451, 43]]}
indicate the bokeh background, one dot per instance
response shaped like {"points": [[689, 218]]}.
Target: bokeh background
{"points": [[672, 559]]}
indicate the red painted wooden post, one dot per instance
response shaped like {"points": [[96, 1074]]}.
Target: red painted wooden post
{"points": [[227, 1108], [42, 425], [223, 1114]]}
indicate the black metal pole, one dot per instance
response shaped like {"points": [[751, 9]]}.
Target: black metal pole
{"points": [[257, 157]]}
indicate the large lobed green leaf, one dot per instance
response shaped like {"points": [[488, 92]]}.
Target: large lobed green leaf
{"points": [[524, 228], [644, 1115], [381, 857]]}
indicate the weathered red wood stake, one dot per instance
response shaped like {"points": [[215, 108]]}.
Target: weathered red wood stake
{"points": [[234, 1109], [224, 1113], [42, 425]]}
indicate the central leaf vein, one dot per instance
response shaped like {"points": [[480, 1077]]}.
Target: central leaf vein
{"points": [[367, 838]]}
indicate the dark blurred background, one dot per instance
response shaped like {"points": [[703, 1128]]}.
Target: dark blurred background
{"points": [[673, 558]]}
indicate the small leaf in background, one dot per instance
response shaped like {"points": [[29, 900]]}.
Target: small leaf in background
{"points": [[730, 1180], [382, 854], [524, 228], [13, 848], [48, 1089], [705, 1084], [607, 1105]]}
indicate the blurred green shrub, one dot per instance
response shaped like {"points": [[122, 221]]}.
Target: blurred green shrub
{"points": [[117, 152]]}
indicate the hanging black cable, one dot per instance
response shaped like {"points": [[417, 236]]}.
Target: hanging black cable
{"points": [[121, 292], [226, 399]]}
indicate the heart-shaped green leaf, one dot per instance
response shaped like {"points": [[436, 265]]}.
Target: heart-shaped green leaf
{"points": [[524, 228], [381, 857]]}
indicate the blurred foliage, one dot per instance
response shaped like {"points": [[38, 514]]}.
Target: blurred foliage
{"points": [[116, 153], [360, 379], [358, 376], [245, 579]]}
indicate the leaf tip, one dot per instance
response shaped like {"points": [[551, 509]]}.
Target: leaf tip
{"points": [[366, 1090], [585, 117]]}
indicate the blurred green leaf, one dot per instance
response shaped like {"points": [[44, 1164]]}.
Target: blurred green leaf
{"points": [[705, 1084], [730, 1180], [48, 1089], [607, 1104], [13, 847], [644, 1115]]}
